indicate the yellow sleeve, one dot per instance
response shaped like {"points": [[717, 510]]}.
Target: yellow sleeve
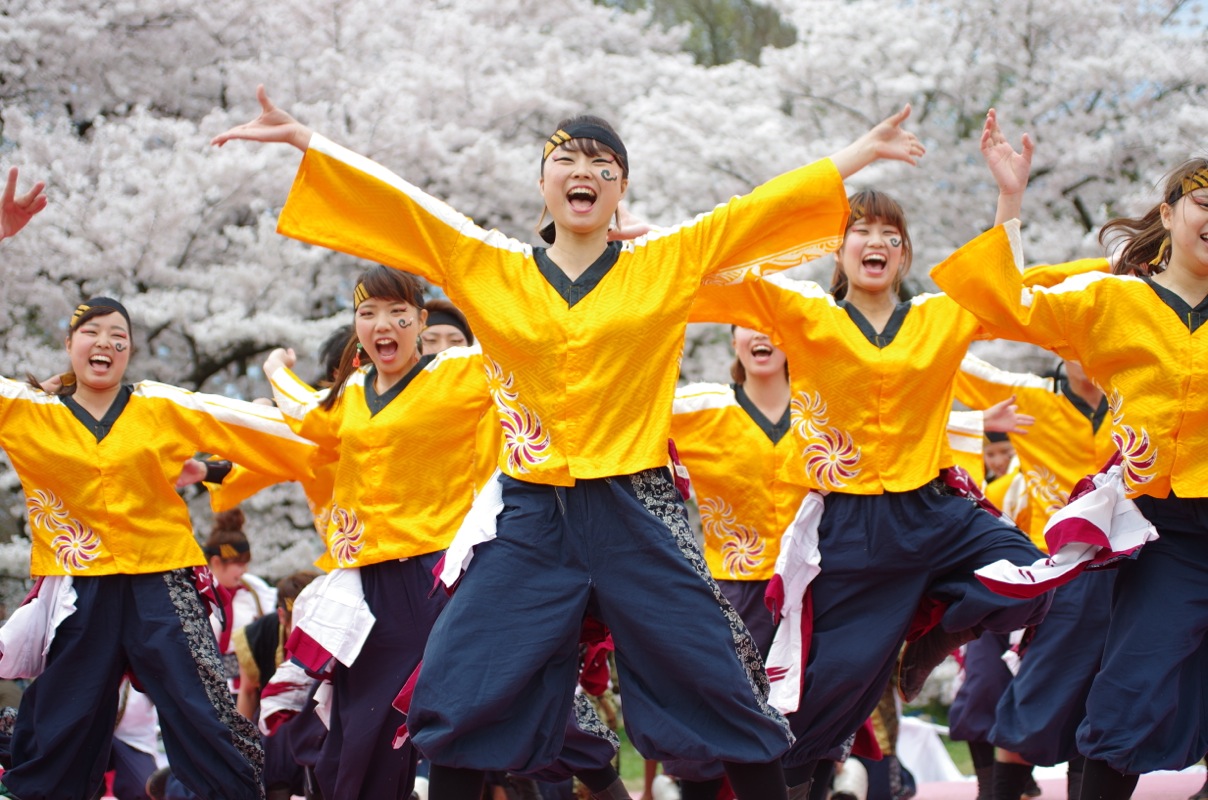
{"points": [[986, 276], [301, 407], [965, 439], [239, 484], [245, 433], [980, 384], [346, 202], [750, 304], [793, 218]]}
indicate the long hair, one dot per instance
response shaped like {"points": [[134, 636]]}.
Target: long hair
{"points": [[1146, 250], [873, 206], [387, 284]]}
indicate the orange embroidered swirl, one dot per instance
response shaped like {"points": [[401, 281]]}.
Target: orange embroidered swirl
{"points": [[74, 543], [525, 441], [347, 534], [1138, 454]]}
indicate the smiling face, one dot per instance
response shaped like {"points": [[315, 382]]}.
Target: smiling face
{"points": [[1187, 224], [871, 256], [99, 349], [387, 330], [759, 358], [582, 185]]}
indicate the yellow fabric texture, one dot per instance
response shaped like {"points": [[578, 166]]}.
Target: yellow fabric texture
{"points": [[745, 505], [583, 391], [1058, 450], [1127, 339], [867, 420], [111, 507], [406, 476]]}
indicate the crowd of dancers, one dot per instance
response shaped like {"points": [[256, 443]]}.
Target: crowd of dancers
{"points": [[539, 469]]}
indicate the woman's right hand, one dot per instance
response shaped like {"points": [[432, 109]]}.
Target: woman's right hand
{"points": [[281, 357], [273, 125]]}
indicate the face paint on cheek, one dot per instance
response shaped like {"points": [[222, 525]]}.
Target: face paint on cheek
{"points": [[895, 242], [607, 175], [120, 347], [405, 323]]}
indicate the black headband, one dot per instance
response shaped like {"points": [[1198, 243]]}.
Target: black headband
{"points": [[588, 130], [438, 317], [228, 551], [98, 302]]}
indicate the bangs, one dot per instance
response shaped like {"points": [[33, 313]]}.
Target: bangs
{"points": [[876, 206], [391, 284], [593, 148]]}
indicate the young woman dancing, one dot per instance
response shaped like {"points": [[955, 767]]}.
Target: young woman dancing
{"points": [[583, 342]]}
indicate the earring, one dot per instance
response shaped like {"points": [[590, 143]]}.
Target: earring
{"points": [[356, 359], [1157, 260]]}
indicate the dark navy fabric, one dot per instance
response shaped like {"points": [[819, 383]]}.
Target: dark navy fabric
{"points": [[155, 624], [881, 555], [1042, 707], [1148, 706], [500, 668], [357, 759], [986, 677]]}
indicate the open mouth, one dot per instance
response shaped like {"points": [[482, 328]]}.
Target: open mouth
{"points": [[581, 198], [761, 351], [875, 262], [100, 363], [386, 348]]}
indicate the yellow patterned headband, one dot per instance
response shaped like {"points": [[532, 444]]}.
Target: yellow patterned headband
{"points": [[1196, 180], [359, 295]]}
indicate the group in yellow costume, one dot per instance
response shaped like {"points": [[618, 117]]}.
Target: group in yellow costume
{"points": [[585, 485]]}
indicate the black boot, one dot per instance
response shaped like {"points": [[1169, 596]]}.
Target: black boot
{"points": [[985, 782], [1073, 777], [925, 654], [801, 791], [1101, 782]]}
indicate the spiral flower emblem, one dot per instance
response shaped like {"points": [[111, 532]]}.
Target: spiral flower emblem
{"points": [[831, 458], [74, 543], [1137, 453], [717, 519], [808, 414], [75, 546], [1042, 485], [498, 384], [743, 552], [347, 536], [525, 442]]}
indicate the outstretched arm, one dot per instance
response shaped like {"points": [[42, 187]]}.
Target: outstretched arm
{"points": [[1009, 168], [16, 211], [273, 125], [886, 140]]}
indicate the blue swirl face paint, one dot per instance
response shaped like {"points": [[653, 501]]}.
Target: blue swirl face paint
{"points": [[607, 175]]}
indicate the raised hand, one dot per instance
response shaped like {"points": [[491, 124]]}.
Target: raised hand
{"points": [[1004, 417], [278, 358], [1009, 168], [15, 211], [890, 141], [273, 125], [885, 140]]}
